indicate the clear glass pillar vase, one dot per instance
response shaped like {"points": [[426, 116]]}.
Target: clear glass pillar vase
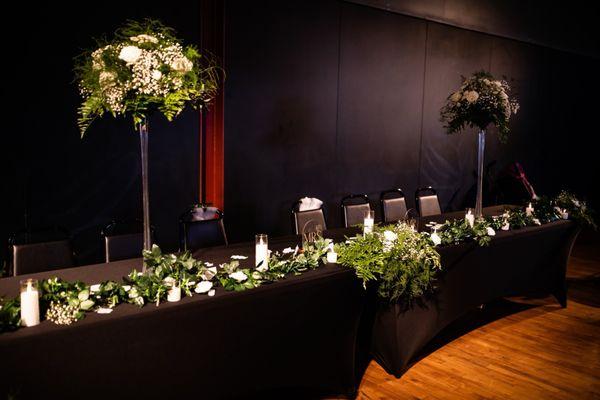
{"points": [[143, 129], [480, 155]]}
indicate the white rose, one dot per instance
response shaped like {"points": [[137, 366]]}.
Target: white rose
{"points": [[95, 288], [390, 236], [456, 96], [181, 64], [490, 231], [156, 74], [436, 239], [203, 287], [471, 96], [130, 54], [239, 276], [211, 293], [288, 250]]}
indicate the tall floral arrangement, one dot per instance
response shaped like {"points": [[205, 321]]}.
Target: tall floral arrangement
{"points": [[480, 101], [143, 69]]}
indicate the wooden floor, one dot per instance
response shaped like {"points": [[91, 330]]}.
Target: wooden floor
{"points": [[515, 349]]}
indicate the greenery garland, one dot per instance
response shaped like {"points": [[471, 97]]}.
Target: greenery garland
{"points": [[402, 262]]}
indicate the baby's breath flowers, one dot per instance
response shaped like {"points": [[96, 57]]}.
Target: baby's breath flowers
{"points": [[62, 314], [144, 68], [480, 101]]}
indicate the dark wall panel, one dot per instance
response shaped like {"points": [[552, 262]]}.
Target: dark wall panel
{"points": [[448, 161], [280, 117], [524, 69], [382, 59]]}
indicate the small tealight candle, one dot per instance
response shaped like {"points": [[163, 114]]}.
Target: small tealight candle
{"points": [[332, 257], [261, 252], [506, 225], [174, 293], [564, 214], [30, 302], [529, 210], [470, 217], [369, 222]]}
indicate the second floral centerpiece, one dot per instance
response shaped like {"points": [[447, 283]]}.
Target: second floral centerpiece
{"points": [[480, 101]]}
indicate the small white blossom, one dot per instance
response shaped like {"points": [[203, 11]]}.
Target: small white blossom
{"points": [[236, 257], [490, 231], [239, 276], [203, 287]]}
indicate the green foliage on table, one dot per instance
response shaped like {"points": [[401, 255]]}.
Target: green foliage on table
{"points": [[10, 314], [143, 68], [74, 294], [110, 294], [480, 101], [544, 209], [577, 209], [459, 231], [402, 262]]}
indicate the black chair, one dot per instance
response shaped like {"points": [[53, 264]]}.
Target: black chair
{"points": [[427, 202], [354, 209], [39, 251], [201, 226], [124, 240], [393, 205], [307, 221]]}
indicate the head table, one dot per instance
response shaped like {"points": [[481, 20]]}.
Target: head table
{"points": [[307, 333]]}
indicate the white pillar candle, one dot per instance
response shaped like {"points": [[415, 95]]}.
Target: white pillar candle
{"points": [[30, 303], [368, 222], [174, 293], [332, 257], [261, 252], [470, 217], [529, 210]]}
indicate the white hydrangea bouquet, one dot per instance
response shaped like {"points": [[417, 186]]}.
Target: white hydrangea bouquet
{"points": [[480, 101], [143, 69]]}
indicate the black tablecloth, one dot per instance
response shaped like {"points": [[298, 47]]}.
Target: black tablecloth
{"points": [[304, 332], [297, 333], [519, 262]]}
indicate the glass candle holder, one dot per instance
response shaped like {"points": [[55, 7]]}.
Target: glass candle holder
{"points": [[30, 302], [332, 257], [174, 293], [470, 217], [261, 252], [368, 222]]}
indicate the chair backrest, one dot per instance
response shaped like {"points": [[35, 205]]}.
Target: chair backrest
{"points": [[427, 202], [123, 240], [202, 226], [308, 221], [354, 209], [39, 251], [393, 205]]}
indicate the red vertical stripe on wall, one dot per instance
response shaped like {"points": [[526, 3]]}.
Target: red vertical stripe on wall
{"points": [[212, 185]]}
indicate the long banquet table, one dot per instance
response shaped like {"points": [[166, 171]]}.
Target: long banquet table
{"points": [[303, 334]]}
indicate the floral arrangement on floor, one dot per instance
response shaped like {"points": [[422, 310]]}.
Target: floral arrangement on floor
{"points": [[144, 68], [481, 100], [402, 261], [65, 302]]}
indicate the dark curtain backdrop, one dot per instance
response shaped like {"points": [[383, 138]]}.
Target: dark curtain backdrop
{"points": [[327, 98], [323, 98], [56, 177]]}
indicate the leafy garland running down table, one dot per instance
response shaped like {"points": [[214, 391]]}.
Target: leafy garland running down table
{"points": [[402, 261]]}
